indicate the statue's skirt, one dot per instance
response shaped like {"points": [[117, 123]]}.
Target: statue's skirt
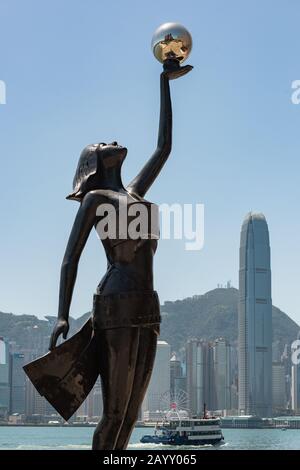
{"points": [[66, 375]]}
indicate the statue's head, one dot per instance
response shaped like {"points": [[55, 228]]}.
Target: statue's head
{"points": [[95, 161]]}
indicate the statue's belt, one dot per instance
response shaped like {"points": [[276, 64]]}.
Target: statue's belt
{"points": [[125, 309]]}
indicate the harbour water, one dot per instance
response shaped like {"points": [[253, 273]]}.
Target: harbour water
{"points": [[79, 438]]}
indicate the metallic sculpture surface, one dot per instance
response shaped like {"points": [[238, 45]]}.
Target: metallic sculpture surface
{"points": [[119, 340]]}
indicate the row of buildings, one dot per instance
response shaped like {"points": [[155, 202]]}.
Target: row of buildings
{"points": [[206, 376], [253, 377], [209, 375]]}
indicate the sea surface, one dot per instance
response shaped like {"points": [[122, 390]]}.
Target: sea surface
{"points": [[77, 438]]}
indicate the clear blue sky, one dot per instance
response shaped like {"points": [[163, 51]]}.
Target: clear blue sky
{"points": [[82, 72]]}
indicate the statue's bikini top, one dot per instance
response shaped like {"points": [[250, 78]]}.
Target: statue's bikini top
{"points": [[130, 222]]}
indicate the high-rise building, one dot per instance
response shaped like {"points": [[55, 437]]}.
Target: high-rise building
{"points": [[175, 372], [179, 386], [278, 386], [255, 318], [157, 397], [200, 376], [276, 351], [17, 384], [222, 365], [286, 360], [234, 373], [295, 380], [4, 377], [295, 388]]}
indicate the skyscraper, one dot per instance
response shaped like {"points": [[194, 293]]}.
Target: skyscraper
{"points": [[255, 318], [295, 388], [222, 357], [4, 377], [175, 372], [158, 393], [295, 380], [200, 376], [278, 386], [17, 384]]}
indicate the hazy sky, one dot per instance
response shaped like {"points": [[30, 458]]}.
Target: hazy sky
{"points": [[79, 72]]}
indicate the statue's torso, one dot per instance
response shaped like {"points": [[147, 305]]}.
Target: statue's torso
{"points": [[129, 232]]}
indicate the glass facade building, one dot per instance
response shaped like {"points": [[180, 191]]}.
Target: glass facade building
{"points": [[157, 397], [4, 377], [17, 384], [200, 376], [255, 318]]}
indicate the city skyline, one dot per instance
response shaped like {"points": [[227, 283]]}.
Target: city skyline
{"points": [[205, 374], [253, 377]]}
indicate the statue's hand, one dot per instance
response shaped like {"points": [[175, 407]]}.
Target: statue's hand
{"points": [[173, 70], [61, 327]]}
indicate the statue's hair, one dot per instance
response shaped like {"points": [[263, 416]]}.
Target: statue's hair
{"points": [[86, 170]]}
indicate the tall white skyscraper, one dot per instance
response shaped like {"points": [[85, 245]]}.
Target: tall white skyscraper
{"points": [[17, 384], [4, 377], [255, 318], [295, 382], [222, 366], [200, 376], [295, 388], [159, 386], [278, 385]]}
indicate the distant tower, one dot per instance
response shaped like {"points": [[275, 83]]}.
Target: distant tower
{"points": [[295, 382], [200, 375], [278, 386], [4, 378], [17, 384], [255, 318], [222, 366], [160, 381], [175, 372]]}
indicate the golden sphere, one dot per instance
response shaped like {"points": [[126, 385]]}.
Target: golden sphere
{"points": [[171, 41]]}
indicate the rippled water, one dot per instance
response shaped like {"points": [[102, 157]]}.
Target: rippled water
{"points": [[80, 438]]}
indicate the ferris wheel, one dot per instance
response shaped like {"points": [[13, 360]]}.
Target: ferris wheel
{"points": [[174, 402]]}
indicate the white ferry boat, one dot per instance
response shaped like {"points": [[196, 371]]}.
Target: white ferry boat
{"points": [[186, 431]]}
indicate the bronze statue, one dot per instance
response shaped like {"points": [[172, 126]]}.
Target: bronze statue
{"points": [[119, 340]]}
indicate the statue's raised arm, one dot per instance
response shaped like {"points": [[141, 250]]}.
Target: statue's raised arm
{"points": [[142, 182]]}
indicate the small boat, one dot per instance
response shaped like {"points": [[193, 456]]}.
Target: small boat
{"points": [[186, 431]]}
